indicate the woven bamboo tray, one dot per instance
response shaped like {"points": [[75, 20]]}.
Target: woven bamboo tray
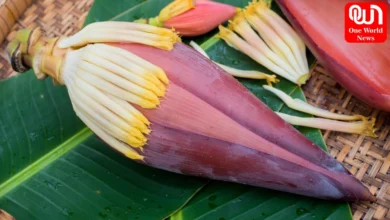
{"points": [[368, 159]]}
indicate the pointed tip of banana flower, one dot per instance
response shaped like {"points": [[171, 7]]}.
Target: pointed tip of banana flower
{"points": [[206, 16]]}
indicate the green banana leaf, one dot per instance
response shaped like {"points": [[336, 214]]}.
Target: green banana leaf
{"points": [[53, 167]]}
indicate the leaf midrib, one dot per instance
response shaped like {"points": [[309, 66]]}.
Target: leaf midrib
{"points": [[44, 161]]}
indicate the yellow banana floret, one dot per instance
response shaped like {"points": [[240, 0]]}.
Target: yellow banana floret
{"points": [[105, 91], [113, 142], [122, 32], [109, 86], [175, 8], [132, 58]]}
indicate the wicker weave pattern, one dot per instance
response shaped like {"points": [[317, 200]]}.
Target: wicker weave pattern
{"points": [[5, 215], [55, 17], [10, 11], [368, 159]]}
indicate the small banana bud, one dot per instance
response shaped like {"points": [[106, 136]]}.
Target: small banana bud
{"points": [[249, 74], [192, 17]]}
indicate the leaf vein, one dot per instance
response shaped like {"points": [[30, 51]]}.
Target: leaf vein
{"points": [[94, 177], [58, 114]]}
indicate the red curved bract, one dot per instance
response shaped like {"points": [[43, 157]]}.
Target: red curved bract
{"points": [[362, 68]]}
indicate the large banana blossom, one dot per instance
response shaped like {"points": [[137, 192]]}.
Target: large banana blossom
{"points": [[163, 104]]}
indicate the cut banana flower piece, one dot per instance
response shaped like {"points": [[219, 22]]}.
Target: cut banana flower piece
{"points": [[236, 42], [365, 127], [361, 124], [123, 32], [107, 85], [249, 74], [265, 37], [291, 38], [305, 107], [240, 25]]}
